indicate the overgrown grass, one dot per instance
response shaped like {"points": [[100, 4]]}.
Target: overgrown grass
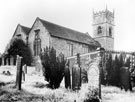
{"points": [[115, 94]]}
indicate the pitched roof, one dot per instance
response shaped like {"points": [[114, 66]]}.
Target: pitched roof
{"points": [[69, 34], [25, 29]]}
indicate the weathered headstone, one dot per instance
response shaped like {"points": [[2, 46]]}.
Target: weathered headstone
{"points": [[38, 66], [25, 69], [11, 60], [19, 72], [2, 60], [67, 75], [93, 75], [7, 61], [76, 74]]}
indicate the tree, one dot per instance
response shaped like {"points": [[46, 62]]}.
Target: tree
{"points": [[18, 47], [109, 69], [127, 63], [121, 61], [53, 67], [116, 71]]}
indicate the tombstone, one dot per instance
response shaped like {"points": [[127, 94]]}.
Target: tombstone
{"points": [[76, 74], [2, 60], [19, 72], [38, 66], [93, 75], [25, 69], [84, 76], [67, 75], [23, 75], [11, 61], [7, 61]]}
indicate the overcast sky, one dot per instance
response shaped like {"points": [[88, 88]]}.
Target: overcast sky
{"points": [[74, 14]]}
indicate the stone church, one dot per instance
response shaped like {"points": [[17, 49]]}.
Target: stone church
{"points": [[65, 40]]}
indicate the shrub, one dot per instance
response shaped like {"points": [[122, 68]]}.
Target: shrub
{"points": [[18, 47], [53, 67]]}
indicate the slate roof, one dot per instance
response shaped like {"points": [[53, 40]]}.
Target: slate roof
{"points": [[69, 34], [25, 29]]}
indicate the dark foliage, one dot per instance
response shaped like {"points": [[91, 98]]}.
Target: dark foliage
{"points": [[53, 67], [18, 47], [109, 69], [0, 61], [127, 63], [112, 72], [116, 71]]}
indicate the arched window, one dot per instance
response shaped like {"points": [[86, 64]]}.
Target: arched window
{"points": [[37, 43], [99, 30], [110, 31]]}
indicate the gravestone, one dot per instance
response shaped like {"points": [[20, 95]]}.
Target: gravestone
{"points": [[2, 60], [93, 74], [7, 61], [11, 61], [67, 75], [25, 69], [38, 66], [19, 72], [76, 74]]}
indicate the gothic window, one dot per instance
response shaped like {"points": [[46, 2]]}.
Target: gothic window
{"points": [[99, 30], [85, 48], [110, 31], [70, 49], [37, 43]]}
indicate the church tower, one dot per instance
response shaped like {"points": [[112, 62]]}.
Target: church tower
{"points": [[103, 28]]}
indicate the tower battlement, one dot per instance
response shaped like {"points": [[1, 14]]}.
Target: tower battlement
{"points": [[107, 12]]}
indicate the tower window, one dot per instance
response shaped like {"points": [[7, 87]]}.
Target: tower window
{"points": [[110, 31], [99, 30]]}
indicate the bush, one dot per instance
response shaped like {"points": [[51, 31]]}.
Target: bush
{"points": [[53, 67], [18, 47]]}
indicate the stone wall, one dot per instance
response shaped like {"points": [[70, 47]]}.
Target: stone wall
{"points": [[62, 45], [106, 42], [43, 34], [19, 31]]}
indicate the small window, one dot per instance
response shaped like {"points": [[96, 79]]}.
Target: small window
{"points": [[110, 31], [18, 35], [99, 30]]}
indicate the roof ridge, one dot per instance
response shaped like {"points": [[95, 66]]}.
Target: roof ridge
{"points": [[60, 25], [25, 29], [24, 26], [67, 33]]}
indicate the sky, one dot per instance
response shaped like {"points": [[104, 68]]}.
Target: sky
{"points": [[74, 14]]}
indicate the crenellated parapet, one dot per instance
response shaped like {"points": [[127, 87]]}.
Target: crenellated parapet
{"points": [[107, 12]]}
